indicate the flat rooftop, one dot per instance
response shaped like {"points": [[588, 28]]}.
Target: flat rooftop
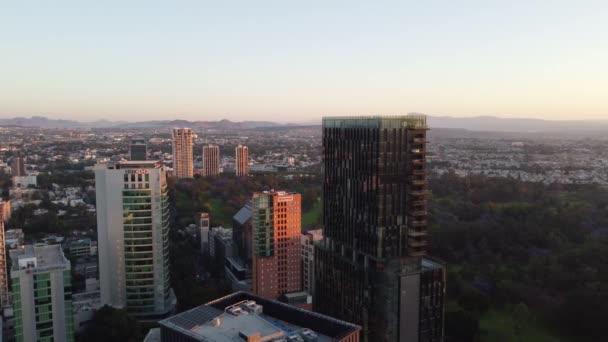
{"points": [[38, 257], [414, 121], [240, 315]]}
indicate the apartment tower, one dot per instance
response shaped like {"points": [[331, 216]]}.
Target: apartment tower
{"points": [[42, 294], [183, 157], [242, 160], [277, 261], [211, 160], [138, 149], [18, 168], [308, 241], [133, 237], [370, 268], [204, 228], [4, 296]]}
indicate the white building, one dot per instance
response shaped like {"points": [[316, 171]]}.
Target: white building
{"points": [[308, 259], [133, 242], [221, 233], [25, 181], [204, 225], [42, 297]]}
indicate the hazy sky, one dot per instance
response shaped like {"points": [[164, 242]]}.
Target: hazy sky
{"points": [[292, 60]]}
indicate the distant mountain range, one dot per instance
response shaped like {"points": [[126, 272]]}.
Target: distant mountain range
{"points": [[492, 123], [479, 123], [44, 122]]}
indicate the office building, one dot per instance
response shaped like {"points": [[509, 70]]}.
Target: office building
{"points": [[211, 160], [369, 268], [4, 296], [204, 227], [217, 234], [242, 316], [242, 160], [277, 261], [79, 247], [18, 167], [138, 149], [133, 242], [42, 294], [183, 155], [237, 274], [308, 241]]}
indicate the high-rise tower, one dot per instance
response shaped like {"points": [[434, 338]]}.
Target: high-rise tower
{"points": [[183, 157], [211, 160], [42, 294], [138, 149], [370, 269], [277, 260], [133, 237], [18, 167], [242, 160], [3, 268]]}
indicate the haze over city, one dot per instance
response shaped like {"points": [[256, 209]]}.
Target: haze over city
{"points": [[290, 61], [291, 171]]}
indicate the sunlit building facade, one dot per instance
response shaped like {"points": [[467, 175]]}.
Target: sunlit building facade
{"points": [[133, 237]]}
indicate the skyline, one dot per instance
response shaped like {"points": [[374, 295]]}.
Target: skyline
{"points": [[297, 62]]}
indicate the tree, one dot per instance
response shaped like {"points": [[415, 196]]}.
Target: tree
{"points": [[461, 326], [111, 324]]}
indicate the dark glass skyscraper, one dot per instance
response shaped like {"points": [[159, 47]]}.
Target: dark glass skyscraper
{"points": [[138, 149], [371, 268]]}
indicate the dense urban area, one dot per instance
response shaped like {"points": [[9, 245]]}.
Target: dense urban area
{"points": [[519, 219]]}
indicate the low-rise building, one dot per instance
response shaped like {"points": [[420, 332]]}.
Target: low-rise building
{"points": [[242, 316]]}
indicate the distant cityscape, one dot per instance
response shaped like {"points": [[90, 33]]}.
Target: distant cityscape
{"points": [[99, 220]]}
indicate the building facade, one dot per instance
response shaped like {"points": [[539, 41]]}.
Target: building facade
{"points": [[204, 227], [183, 154], [4, 296], [211, 160], [308, 241], [276, 264], [18, 167], [133, 237], [369, 268], [242, 160], [138, 149], [42, 294]]}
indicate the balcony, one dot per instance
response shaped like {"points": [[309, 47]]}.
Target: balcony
{"points": [[418, 162], [414, 233], [419, 213], [419, 223], [419, 203], [416, 253], [416, 243], [419, 141], [420, 182], [419, 192]]}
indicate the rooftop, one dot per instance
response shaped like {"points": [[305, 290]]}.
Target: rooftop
{"points": [[241, 315], [416, 121], [244, 214], [40, 258]]}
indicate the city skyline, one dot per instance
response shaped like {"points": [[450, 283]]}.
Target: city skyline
{"points": [[202, 61]]}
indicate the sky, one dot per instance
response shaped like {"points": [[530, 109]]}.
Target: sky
{"points": [[295, 61]]}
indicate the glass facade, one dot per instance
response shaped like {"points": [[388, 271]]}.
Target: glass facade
{"points": [[42, 296], [374, 226], [145, 220]]}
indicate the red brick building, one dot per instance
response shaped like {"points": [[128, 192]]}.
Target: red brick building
{"points": [[277, 227]]}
